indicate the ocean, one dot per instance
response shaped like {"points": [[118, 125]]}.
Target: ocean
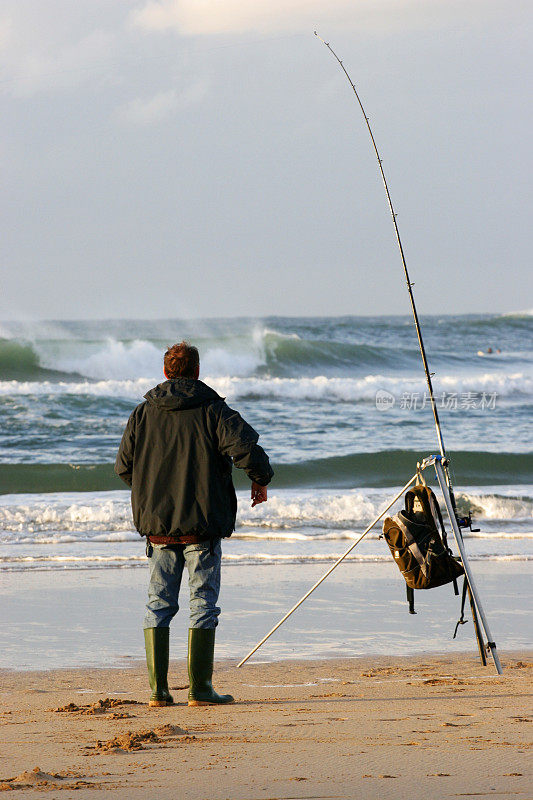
{"points": [[340, 406]]}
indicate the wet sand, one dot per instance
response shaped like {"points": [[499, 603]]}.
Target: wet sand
{"points": [[93, 618], [373, 728]]}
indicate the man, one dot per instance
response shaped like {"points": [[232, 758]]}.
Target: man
{"points": [[176, 454]]}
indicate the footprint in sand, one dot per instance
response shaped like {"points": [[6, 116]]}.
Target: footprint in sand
{"points": [[379, 776], [119, 715], [138, 740], [100, 707], [456, 724], [37, 777]]}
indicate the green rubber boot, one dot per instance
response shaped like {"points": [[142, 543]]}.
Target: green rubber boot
{"points": [[201, 659], [156, 641]]}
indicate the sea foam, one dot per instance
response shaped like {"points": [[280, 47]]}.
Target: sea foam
{"points": [[314, 389], [305, 516]]}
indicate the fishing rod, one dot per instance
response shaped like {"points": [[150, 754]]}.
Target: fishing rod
{"points": [[461, 522], [406, 272], [440, 462]]}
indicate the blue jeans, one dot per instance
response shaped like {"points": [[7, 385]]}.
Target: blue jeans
{"points": [[166, 568]]}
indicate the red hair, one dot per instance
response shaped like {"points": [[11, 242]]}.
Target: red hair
{"points": [[181, 361]]}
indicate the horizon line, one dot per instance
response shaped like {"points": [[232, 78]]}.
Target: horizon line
{"points": [[513, 313]]}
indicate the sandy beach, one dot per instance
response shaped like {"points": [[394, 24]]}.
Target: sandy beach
{"points": [[383, 727]]}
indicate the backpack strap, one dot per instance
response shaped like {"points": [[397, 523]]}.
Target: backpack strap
{"points": [[412, 544], [432, 513], [410, 599], [437, 516], [461, 620], [409, 501], [427, 500], [436, 508]]}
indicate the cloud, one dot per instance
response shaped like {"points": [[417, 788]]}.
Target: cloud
{"points": [[197, 17], [49, 58], [239, 16], [151, 110], [62, 46], [69, 66], [6, 27], [142, 111]]}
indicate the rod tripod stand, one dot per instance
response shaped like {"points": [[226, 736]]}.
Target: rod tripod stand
{"points": [[478, 613]]}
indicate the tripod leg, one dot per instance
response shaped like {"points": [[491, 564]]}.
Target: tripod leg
{"points": [[477, 628], [329, 571], [491, 644]]}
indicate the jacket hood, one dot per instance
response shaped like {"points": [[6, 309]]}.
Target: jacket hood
{"points": [[181, 393]]}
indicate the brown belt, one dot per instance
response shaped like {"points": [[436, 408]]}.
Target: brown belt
{"points": [[183, 539]]}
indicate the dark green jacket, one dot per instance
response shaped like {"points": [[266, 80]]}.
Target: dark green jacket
{"points": [[176, 454]]}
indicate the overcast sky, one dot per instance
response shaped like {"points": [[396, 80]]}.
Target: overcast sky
{"points": [[207, 158]]}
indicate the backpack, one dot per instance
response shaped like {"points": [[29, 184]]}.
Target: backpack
{"points": [[419, 549]]}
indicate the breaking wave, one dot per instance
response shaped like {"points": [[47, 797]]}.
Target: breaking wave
{"points": [[527, 314], [310, 515], [125, 350], [264, 351], [312, 389], [19, 361]]}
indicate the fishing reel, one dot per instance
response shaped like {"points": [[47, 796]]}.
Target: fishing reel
{"points": [[466, 522]]}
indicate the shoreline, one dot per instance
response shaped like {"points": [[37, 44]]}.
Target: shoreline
{"points": [[367, 727], [55, 620], [225, 663]]}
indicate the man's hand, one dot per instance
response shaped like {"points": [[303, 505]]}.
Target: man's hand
{"points": [[259, 493]]}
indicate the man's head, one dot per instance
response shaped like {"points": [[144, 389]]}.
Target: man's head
{"points": [[181, 361]]}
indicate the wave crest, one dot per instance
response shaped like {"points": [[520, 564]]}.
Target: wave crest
{"points": [[303, 516], [314, 389], [385, 468]]}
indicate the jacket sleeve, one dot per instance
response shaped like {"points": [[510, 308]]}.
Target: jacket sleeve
{"points": [[237, 439], [124, 460]]}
